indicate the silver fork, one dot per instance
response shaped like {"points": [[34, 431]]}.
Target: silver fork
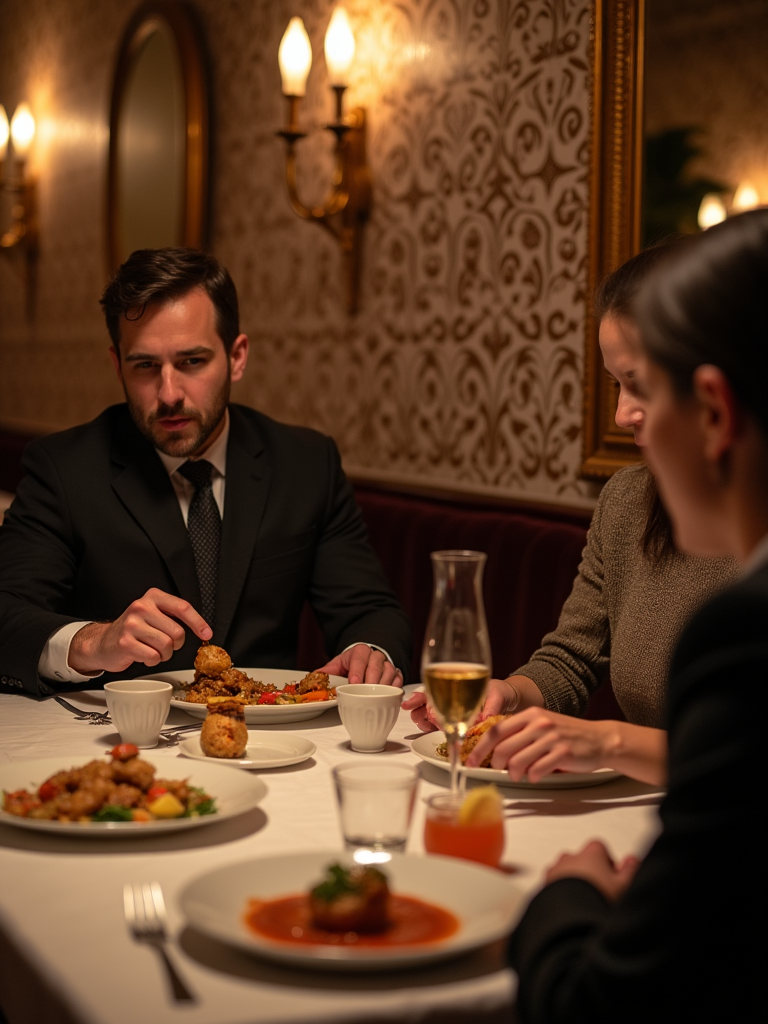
{"points": [[92, 717], [145, 914]]}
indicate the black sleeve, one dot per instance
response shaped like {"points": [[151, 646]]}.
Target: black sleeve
{"points": [[681, 943], [349, 592], [37, 566]]}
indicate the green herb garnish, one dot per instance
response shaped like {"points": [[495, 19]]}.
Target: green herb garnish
{"points": [[113, 813]]}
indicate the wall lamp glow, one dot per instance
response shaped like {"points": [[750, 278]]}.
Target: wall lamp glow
{"points": [[348, 203], [14, 178]]}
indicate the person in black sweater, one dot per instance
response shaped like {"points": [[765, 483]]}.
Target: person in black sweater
{"points": [[679, 936]]}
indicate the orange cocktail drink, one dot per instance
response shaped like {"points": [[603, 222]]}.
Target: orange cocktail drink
{"points": [[471, 828]]}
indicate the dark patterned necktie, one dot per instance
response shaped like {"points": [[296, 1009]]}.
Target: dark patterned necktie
{"points": [[204, 527]]}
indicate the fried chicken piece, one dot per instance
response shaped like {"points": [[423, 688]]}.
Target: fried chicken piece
{"points": [[315, 681], [84, 801], [211, 661], [135, 772], [471, 740], [224, 732]]}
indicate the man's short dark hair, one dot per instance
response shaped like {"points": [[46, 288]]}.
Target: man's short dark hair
{"points": [[153, 276]]}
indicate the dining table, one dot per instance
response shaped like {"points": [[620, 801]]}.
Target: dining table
{"points": [[67, 956]]}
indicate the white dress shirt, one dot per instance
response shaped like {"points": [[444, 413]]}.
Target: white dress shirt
{"points": [[54, 660]]}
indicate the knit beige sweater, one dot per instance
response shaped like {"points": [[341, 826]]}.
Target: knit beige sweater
{"points": [[624, 614]]}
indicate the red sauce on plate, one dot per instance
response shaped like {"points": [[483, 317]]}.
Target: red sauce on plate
{"points": [[412, 923]]}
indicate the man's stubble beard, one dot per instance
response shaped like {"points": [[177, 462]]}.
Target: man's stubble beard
{"points": [[188, 446]]}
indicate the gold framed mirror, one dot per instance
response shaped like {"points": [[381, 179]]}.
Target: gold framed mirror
{"points": [[157, 191], [615, 207]]}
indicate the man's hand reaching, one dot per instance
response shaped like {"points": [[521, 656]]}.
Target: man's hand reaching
{"points": [[147, 631]]}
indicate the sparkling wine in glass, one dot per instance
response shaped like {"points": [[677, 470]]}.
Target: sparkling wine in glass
{"points": [[456, 661]]}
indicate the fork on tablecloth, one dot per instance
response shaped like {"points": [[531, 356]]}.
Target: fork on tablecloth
{"points": [[145, 915], [94, 717]]}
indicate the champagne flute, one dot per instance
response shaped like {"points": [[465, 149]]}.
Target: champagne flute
{"points": [[456, 660]]}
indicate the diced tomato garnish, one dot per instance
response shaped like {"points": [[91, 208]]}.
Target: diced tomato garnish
{"points": [[155, 791], [48, 791], [291, 688], [124, 751], [267, 698]]}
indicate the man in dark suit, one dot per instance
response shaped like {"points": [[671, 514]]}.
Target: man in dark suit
{"points": [[178, 517]]}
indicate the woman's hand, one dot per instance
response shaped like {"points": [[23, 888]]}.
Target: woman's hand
{"points": [[536, 742], [501, 699], [595, 865], [421, 713]]}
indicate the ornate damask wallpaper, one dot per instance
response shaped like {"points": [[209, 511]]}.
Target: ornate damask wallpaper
{"points": [[463, 368]]}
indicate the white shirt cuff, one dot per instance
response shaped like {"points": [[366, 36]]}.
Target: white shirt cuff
{"points": [[374, 647], [54, 661]]}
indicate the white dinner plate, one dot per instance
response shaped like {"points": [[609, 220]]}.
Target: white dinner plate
{"points": [[486, 902], [425, 747], [264, 750], [263, 714], [235, 793]]}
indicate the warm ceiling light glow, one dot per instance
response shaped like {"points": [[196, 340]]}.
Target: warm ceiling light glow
{"points": [[711, 211], [4, 132], [22, 130], [746, 197], [339, 47], [295, 58]]}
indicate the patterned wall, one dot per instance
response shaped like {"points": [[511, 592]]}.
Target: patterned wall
{"points": [[463, 368]]}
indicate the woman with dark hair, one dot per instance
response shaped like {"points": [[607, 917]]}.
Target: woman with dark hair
{"points": [[680, 939], [630, 601]]}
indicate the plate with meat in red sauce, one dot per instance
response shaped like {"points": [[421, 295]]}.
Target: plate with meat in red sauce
{"points": [[296, 908]]}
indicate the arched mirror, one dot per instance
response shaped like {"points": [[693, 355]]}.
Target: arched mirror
{"points": [[679, 92], [158, 146]]}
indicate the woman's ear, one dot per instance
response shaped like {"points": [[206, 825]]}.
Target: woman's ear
{"points": [[721, 420]]}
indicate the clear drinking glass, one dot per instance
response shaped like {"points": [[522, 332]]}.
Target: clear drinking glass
{"points": [[456, 660]]}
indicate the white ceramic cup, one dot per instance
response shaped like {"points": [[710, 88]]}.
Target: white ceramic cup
{"points": [[139, 708], [368, 712]]}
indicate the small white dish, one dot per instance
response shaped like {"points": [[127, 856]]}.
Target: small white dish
{"points": [[425, 748], [264, 750]]}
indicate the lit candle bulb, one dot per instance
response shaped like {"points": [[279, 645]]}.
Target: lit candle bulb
{"points": [[339, 47], [22, 130], [746, 197], [295, 58], [711, 211], [4, 132]]}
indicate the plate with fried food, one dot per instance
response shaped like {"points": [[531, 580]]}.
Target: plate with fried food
{"points": [[327, 911], [432, 747], [124, 796], [262, 750], [268, 695]]}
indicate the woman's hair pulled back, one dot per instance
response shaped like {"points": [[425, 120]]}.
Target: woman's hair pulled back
{"points": [[709, 305]]}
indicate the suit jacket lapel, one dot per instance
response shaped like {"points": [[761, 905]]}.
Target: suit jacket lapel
{"points": [[142, 484], [245, 498]]}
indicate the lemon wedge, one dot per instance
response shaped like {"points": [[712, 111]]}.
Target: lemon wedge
{"points": [[166, 806], [482, 806]]}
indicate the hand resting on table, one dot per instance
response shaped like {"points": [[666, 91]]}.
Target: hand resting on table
{"points": [[595, 865], [363, 664]]}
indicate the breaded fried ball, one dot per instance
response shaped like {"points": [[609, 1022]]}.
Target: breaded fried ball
{"points": [[211, 661], [224, 732]]}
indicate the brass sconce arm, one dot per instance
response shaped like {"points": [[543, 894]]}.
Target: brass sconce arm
{"points": [[347, 204], [23, 229]]}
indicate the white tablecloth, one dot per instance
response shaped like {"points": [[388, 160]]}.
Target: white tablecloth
{"points": [[65, 952]]}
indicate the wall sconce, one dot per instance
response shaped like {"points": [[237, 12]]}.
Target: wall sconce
{"points": [[21, 132], [348, 203]]}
